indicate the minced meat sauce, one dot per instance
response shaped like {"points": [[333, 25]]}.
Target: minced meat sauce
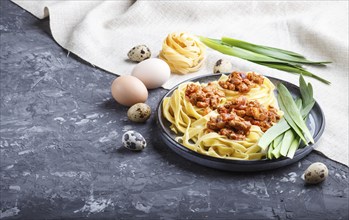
{"points": [[230, 125], [236, 117], [204, 96], [242, 82]]}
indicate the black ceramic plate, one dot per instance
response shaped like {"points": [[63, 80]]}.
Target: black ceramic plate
{"points": [[315, 123]]}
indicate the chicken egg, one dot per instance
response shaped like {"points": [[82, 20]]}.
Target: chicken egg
{"points": [[128, 90], [152, 72]]}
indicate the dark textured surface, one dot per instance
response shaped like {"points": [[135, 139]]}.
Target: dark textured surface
{"points": [[61, 153]]}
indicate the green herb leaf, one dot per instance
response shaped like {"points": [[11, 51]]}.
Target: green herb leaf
{"points": [[291, 140], [289, 136], [272, 133], [277, 146], [270, 150], [260, 58], [293, 69], [292, 113], [290, 121], [293, 147], [271, 52], [238, 52]]}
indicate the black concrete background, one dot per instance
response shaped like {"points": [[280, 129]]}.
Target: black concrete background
{"points": [[61, 153]]}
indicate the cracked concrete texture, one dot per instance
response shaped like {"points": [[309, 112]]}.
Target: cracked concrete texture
{"points": [[61, 153]]}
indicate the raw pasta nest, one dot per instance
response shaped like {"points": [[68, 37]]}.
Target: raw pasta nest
{"points": [[183, 52]]}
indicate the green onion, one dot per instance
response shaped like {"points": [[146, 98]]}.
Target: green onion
{"points": [[277, 146], [271, 52], [276, 152], [293, 69], [306, 92], [293, 147], [286, 127], [276, 50], [290, 121], [238, 52], [272, 133], [292, 113], [281, 127], [303, 88], [270, 150], [305, 110], [289, 136], [268, 56]]}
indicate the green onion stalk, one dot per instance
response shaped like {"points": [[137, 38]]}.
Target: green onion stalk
{"points": [[275, 58]]}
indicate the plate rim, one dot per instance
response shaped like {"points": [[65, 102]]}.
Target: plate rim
{"points": [[305, 150]]}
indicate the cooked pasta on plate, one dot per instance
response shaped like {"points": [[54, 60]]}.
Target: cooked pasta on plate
{"points": [[224, 118]]}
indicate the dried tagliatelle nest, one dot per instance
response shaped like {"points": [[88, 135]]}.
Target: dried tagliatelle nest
{"points": [[183, 52]]}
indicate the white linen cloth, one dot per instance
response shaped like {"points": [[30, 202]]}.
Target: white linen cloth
{"points": [[102, 32]]}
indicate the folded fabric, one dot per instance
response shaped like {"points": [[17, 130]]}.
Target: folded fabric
{"points": [[102, 32]]}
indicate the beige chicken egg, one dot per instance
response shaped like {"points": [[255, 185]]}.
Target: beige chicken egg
{"points": [[152, 72], [128, 90]]}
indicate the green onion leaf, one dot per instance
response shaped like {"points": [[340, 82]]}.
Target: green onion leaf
{"points": [[275, 53], [272, 133], [305, 110], [289, 136], [292, 113], [291, 139], [270, 150], [238, 52], [260, 58], [277, 145], [294, 146], [293, 69], [276, 50], [306, 92], [291, 123], [276, 151]]}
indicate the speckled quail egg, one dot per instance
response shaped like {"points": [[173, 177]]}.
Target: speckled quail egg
{"points": [[139, 53], [315, 173], [222, 66], [134, 141], [139, 112]]}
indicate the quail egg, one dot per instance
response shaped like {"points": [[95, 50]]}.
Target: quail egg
{"points": [[222, 66], [133, 140], [139, 112], [315, 173], [139, 53]]}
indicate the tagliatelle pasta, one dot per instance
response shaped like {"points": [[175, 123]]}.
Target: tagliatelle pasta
{"points": [[191, 123], [183, 52], [263, 93]]}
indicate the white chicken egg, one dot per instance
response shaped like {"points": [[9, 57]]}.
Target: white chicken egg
{"points": [[152, 72]]}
